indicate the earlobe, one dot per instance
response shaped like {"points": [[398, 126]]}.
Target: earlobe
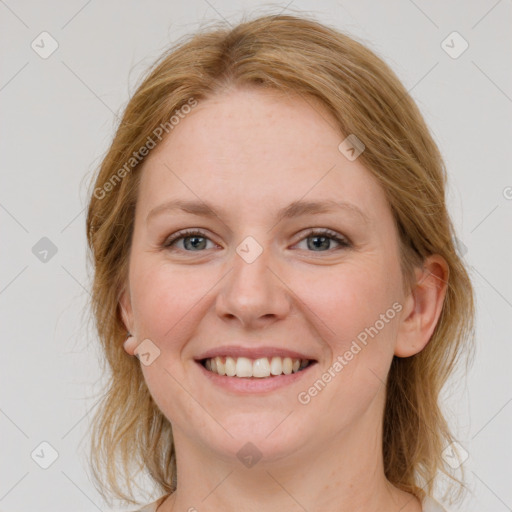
{"points": [[130, 344], [423, 307]]}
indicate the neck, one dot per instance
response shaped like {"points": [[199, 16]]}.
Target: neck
{"points": [[346, 476]]}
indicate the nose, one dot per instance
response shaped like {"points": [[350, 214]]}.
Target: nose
{"points": [[253, 294]]}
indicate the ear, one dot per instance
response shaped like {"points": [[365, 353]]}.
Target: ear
{"points": [[422, 307], [130, 344]]}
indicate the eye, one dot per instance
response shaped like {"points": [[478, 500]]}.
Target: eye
{"points": [[194, 240], [322, 239]]}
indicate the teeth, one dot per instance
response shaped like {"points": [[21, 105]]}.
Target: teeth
{"points": [[230, 367], [243, 367], [276, 366], [260, 368], [287, 365], [221, 367]]}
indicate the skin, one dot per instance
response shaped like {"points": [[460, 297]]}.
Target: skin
{"points": [[251, 152]]}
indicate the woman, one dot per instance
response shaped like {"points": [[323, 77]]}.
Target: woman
{"points": [[270, 227]]}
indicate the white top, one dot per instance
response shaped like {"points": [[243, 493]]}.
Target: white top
{"points": [[429, 505]]}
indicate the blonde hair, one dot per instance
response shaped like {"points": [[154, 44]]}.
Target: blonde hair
{"points": [[291, 54]]}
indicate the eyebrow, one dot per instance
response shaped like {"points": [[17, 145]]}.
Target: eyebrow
{"points": [[294, 209]]}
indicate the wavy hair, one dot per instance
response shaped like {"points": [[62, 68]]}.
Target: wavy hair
{"points": [[295, 55]]}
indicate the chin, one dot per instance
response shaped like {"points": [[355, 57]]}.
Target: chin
{"points": [[262, 436]]}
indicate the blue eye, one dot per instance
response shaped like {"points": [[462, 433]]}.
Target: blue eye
{"points": [[323, 237], [196, 241]]}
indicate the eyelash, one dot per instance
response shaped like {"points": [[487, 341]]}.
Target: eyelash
{"points": [[342, 241]]}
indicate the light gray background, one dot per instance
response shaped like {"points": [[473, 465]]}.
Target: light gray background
{"points": [[58, 116]]}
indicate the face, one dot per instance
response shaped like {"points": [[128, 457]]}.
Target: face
{"points": [[264, 277]]}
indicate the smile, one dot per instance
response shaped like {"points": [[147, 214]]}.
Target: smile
{"points": [[263, 367]]}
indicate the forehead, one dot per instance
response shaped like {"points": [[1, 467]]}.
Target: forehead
{"points": [[255, 149]]}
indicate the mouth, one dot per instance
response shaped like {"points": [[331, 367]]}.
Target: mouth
{"points": [[260, 368]]}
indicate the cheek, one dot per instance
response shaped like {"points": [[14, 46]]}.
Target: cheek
{"points": [[348, 300], [166, 300], [354, 310]]}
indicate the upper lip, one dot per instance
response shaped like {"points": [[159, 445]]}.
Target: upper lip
{"points": [[252, 353]]}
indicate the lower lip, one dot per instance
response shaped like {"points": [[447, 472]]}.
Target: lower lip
{"points": [[254, 384]]}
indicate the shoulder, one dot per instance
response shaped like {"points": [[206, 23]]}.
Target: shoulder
{"points": [[431, 505]]}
